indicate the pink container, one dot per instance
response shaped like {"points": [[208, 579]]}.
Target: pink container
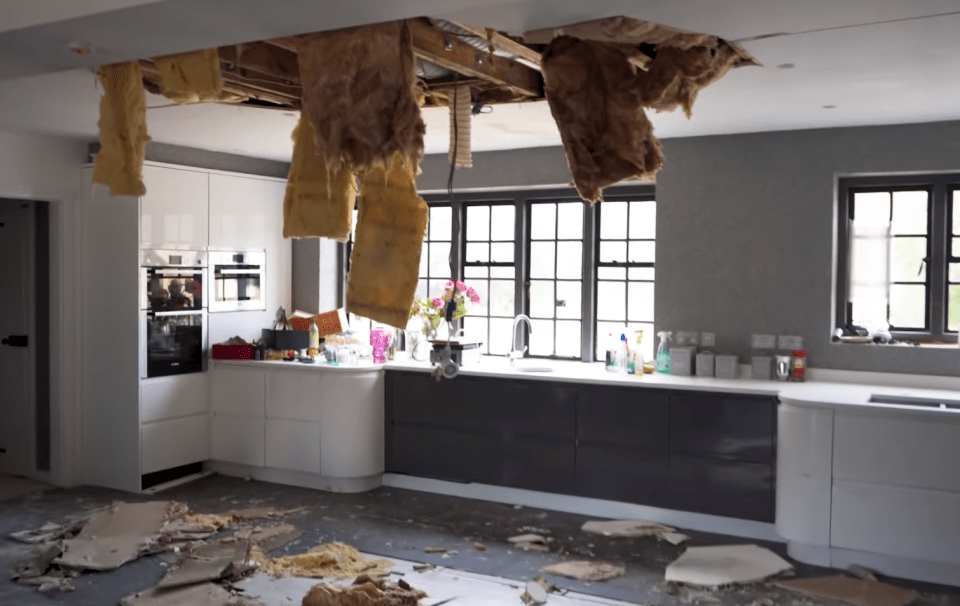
{"points": [[380, 341]]}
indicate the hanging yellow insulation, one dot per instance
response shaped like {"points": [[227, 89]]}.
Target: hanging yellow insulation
{"points": [[459, 101], [385, 261], [319, 201], [123, 130], [193, 78], [358, 91]]}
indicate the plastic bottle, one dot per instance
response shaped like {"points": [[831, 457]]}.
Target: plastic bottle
{"points": [[638, 355], [314, 334], [624, 355], [663, 352], [611, 361]]}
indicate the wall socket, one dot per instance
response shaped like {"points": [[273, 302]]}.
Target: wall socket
{"points": [[763, 341], [708, 339], [786, 342]]}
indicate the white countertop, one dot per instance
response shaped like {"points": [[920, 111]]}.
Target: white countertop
{"points": [[819, 393]]}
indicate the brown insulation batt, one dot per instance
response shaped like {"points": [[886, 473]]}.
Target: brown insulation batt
{"points": [[594, 98], [193, 78], [597, 95], [123, 130], [365, 592], [319, 201], [358, 90], [329, 560], [385, 261]]}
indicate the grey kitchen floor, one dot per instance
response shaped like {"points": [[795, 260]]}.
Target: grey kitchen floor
{"points": [[400, 524]]}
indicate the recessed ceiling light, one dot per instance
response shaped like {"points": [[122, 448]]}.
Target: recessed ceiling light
{"points": [[828, 106], [787, 65]]}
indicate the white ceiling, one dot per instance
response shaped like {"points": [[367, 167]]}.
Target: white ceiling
{"points": [[874, 61]]}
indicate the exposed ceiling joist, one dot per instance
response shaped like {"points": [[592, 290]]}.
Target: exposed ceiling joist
{"points": [[504, 43], [449, 52]]}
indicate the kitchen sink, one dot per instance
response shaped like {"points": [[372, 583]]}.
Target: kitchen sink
{"points": [[914, 401]]}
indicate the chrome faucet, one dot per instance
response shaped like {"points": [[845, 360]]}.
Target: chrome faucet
{"points": [[514, 354]]}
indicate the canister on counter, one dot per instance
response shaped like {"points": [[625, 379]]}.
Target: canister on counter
{"points": [[705, 363], [762, 367], [799, 365], [726, 367]]}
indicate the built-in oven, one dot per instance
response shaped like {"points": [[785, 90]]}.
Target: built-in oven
{"points": [[238, 281], [173, 327]]}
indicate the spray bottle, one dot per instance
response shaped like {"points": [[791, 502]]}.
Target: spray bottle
{"points": [[663, 352]]}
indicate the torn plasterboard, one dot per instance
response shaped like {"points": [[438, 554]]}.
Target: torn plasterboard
{"points": [[268, 538], [725, 565], [118, 535], [584, 570], [206, 594], [861, 592], [625, 528], [50, 531], [365, 591], [38, 563], [674, 538], [529, 542], [123, 130], [209, 562], [534, 593]]}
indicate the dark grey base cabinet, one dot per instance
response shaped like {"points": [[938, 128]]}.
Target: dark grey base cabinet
{"points": [[693, 451]]}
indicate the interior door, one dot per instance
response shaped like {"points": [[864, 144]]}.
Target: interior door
{"points": [[17, 411]]}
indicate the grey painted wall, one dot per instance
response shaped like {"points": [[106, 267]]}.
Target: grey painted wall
{"points": [[201, 158], [746, 229], [316, 274]]}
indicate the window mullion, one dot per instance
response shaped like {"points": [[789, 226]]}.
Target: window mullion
{"points": [[937, 264], [588, 310]]}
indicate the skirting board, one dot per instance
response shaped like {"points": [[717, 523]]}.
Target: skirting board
{"points": [[591, 507], [295, 478], [889, 566]]}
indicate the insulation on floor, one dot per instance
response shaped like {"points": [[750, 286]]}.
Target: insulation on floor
{"points": [[385, 261], [319, 200], [193, 78], [358, 91], [365, 592], [330, 560], [597, 94], [123, 130]]}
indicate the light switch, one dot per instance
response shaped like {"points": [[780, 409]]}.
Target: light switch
{"points": [[708, 339], [763, 341], [788, 342]]}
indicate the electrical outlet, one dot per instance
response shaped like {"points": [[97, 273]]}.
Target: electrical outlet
{"points": [[708, 339], [763, 341], [786, 342]]}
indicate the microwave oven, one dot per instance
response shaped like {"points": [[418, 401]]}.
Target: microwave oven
{"points": [[237, 281]]}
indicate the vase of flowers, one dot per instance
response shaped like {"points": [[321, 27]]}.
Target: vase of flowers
{"points": [[433, 310]]}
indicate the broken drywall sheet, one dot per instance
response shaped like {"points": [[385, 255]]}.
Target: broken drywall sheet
{"points": [[209, 562], [530, 542], [674, 538], [365, 591], [268, 538], [118, 535], [725, 565], [534, 593], [861, 592], [625, 528], [584, 570], [206, 594]]}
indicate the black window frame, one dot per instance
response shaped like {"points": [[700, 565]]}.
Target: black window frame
{"points": [[938, 255], [643, 195]]}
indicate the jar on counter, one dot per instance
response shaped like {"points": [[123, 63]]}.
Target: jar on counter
{"points": [[799, 365]]}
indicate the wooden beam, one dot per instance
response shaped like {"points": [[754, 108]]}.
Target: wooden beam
{"points": [[269, 60], [449, 52], [504, 43]]}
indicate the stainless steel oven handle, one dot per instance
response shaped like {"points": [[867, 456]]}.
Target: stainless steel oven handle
{"points": [[185, 271], [251, 272], [160, 314]]}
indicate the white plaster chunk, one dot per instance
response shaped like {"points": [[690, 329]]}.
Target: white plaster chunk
{"points": [[725, 565]]}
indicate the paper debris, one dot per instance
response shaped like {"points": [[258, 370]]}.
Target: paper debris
{"points": [[424, 567], [584, 570], [725, 565], [530, 542], [118, 535], [625, 528], [674, 538], [861, 592], [329, 560], [365, 591]]}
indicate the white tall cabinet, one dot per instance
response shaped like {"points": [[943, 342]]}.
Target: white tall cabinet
{"points": [[135, 426]]}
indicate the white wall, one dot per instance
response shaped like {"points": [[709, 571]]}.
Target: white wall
{"points": [[47, 168]]}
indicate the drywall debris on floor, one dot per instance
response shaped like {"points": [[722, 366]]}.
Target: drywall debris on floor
{"points": [[205, 594], [329, 560], [365, 591], [50, 531], [534, 593], [434, 550], [634, 528], [270, 537], [720, 565], [584, 570], [479, 546], [861, 592], [121, 534], [530, 542], [424, 567], [210, 562]]}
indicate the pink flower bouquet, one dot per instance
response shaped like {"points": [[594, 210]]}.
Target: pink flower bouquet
{"points": [[433, 308]]}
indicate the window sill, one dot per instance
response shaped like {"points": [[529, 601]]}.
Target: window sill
{"points": [[909, 344]]}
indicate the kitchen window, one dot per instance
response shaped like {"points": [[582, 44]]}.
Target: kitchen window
{"points": [[899, 238], [626, 251]]}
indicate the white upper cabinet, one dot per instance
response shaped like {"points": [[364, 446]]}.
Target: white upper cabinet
{"points": [[245, 213], [173, 212]]}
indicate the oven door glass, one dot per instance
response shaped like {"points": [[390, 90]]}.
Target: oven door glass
{"points": [[237, 288], [174, 343], [178, 290]]}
